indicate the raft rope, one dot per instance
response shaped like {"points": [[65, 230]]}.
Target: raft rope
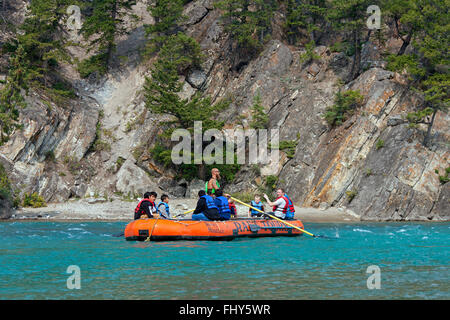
{"points": [[154, 225], [273, 217]]}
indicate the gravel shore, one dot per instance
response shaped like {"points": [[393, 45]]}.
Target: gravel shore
{"points": [[101, 209]]}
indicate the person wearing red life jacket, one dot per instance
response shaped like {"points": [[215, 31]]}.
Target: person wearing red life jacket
{"points": [[280, 205], [232, 207], [146, 207]]}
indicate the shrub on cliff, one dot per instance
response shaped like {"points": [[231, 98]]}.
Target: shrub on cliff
{"points": [[260, 119], [344, 106], [5, 185], [33, 200]]}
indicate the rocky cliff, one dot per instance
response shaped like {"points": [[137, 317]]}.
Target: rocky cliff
{"points": [[373, 164]]}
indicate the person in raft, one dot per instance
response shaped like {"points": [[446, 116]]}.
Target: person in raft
{"points": [[256, 204], [222, 204], [206, 209], [232, 207], [213, 183], [146, 207], [163, 207], [280, 205], [291, 210]]}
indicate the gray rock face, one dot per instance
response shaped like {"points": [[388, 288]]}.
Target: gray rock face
{"points": [[6, 210], [392, 180], [196, 11], [133, 180], [194, 187], [196, 78]]}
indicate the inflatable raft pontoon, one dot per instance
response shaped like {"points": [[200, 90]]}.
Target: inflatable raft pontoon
{"points": [[166, 230]]}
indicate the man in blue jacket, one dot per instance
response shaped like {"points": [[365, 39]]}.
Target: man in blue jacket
{"points": [[222, 204], [206, 208]]}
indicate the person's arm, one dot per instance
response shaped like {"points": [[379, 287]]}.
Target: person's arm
{"points": [[201, 205], [270, 203], [162, 211], [146, 214], [211, 184]]}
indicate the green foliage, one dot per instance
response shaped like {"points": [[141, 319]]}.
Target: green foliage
{"points": [[101, 28], [176, 57], [309, 55], [344, 106], [50, 156], [33, 200], [99, 144], [162, 154], [379, 144], [419, 116], [248, 22], [34, 56], [351, 194], [445, 178], [306, 16], [245, 196], [260, 119], [344, 46], [168, 15], [409, 63], [268, 186], [227, 171], [119, 162], [428, 25], [94, 64], [5, 184], [350, 18], [72, 164]]}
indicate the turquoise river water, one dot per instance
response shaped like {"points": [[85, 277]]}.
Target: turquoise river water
{"points": [[413, 259]]}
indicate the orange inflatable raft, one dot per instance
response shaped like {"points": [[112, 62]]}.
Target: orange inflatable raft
{"points": [[165, 230]]}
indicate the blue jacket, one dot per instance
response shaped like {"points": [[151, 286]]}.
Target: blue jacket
{"points": [[257, 206], [223, 206], [207, 206], [289, 213], [164, 214]]}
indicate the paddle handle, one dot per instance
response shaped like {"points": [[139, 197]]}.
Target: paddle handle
{"points": [[273, 217]]}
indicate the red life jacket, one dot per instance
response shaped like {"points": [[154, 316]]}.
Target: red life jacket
{"points": [[291, 205], [285, 207], [138, 209]]}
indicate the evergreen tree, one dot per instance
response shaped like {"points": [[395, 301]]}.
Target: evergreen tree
{"points": [[102, 27], [350, 17], [33, 60], [260, 119], [248, 22], [428, 64], [407, 19], [168, 15], [176, 57], [305, 15]]}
